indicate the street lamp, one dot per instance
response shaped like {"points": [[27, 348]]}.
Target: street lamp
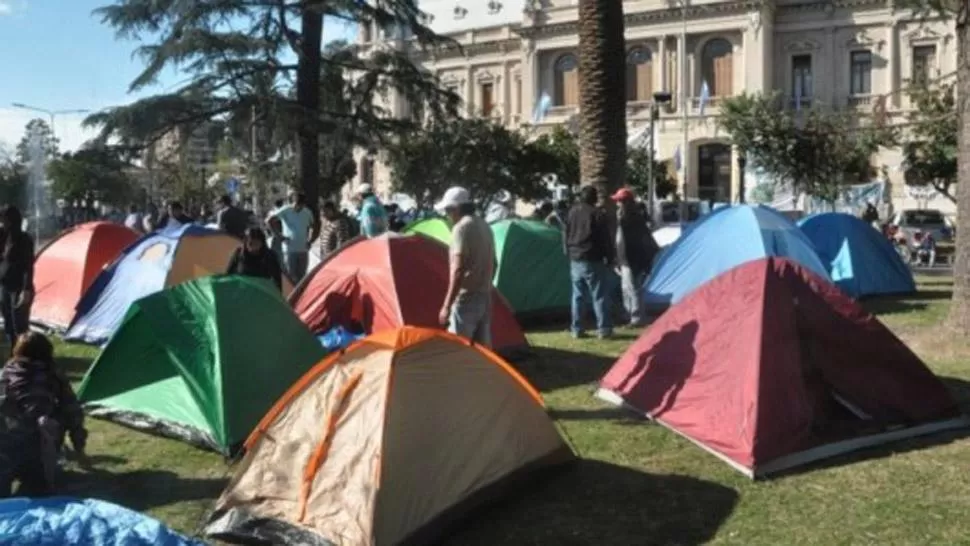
{"points": [[742, 163], [50, 113], [659, 98]]}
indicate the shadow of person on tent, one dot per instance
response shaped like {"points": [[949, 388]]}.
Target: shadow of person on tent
{"points": [[669, 363]]}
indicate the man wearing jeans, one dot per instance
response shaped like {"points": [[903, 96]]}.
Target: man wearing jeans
{"points": [[296, 224], [589, 246], [467, 309]]}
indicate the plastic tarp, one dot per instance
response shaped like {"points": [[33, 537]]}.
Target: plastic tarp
{"points": [[61, 521], [436, 228], [861, 260], [338, 338], [722, 240], [201, 361], [142, 269], [532, 269]]}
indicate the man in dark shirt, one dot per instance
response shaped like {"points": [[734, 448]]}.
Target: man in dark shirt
{"points": [[336, 229], [635, 252], [231, 219], [591, 253]]}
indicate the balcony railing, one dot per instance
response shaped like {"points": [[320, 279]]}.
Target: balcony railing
{"points": [[712, 102], [860, 100], [803, 103]]}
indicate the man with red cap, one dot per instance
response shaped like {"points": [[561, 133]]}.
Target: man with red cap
{"points": [[635, 252]]}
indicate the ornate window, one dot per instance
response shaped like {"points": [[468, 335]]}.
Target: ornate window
{"points": [[639, 74], [860, 72], [566, 80], [717, 67]]}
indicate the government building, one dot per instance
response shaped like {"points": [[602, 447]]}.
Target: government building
{"points": [[859, 54]]}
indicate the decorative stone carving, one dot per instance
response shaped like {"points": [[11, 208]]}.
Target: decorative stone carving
{"points": [[528, 46], [922, 34], [485, 76], [805, 45], [861, 39], [754, 22], [450, 80]]}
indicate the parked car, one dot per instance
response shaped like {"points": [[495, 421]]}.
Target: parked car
{"points": [[908, 229]]}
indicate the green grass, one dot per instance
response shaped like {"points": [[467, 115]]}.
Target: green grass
{"points": [[638, 483]]}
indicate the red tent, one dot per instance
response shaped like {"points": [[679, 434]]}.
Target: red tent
{"points": [[66, 267], [386, 283], [768, 366]]}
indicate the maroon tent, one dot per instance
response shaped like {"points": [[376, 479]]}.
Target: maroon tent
{"points": [[768, 366]]}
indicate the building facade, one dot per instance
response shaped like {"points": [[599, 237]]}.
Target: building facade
{"points": [[845, 53]]}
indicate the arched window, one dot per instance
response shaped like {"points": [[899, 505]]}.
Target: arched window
{"points": [[717, 67], [639, 74], [566, 81]]}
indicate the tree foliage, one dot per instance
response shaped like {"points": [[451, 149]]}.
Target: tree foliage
{"points": [[816, 151], [638, 174], [13, 179], [477, 154], [88, 175], [222, 46], [931, 146], [47, 144]]}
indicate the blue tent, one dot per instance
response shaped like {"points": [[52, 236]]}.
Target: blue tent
{"points": [[723, 240], [861, 261], [59, 521], [154, 262]]}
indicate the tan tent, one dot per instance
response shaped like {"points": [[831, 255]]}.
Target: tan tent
{"points": [[385, 443]]}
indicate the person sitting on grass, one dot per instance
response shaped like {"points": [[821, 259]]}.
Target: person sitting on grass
{"points": [[255, 259], [37, 408]]}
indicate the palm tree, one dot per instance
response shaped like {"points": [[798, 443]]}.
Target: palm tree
{"points": [[602, 94], [959, 318]]}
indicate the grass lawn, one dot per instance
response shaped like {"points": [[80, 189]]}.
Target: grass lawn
{"points": [[638, 483]]}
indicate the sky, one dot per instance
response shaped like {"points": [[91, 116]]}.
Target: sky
{"points": [[58, 56]]}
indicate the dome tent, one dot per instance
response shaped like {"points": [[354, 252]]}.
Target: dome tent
{"points": [[532, 271], [436, 228]]}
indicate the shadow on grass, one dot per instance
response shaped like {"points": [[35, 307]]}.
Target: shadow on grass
{"points": [[74, 367], [906, 303], [960, 390], [550, 369], [613, 414], [140, 490], [599, 503]]}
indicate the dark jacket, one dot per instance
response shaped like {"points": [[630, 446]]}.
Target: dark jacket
{"points": [[17, 262], [233, 221], [587, 235], [181, 218], [31, 390], [635, 245], [263, 264]]}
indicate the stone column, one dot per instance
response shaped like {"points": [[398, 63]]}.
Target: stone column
{"points": [[529, 72], [661, 65], [471, 100], [892, 66]]}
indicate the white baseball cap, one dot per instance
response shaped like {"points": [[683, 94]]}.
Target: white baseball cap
{"points": [[364, 189], [454, 197]]}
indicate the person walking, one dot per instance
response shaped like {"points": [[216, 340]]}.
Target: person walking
{"points": [[635, 252], [231, 218], [135, 221], [590, 248], [174, 217], [372, 218], [255, 259], [16, 274], [467, 309], [335, 231], [297, 222]]}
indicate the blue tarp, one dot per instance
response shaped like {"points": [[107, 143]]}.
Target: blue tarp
{"points": [[338, 338], [861, 260], [723, 240], [61, 521], [140, 271]]}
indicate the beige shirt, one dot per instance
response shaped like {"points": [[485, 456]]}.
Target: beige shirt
{"points": [[472, 239]]}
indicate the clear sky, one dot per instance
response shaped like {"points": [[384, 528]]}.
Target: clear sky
{"points": [[57, 56]]}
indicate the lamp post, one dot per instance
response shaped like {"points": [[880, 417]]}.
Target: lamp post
{"points": [[742, 163], [659, 98], [51, 114]]}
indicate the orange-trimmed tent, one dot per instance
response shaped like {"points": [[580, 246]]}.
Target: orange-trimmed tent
{"points": [[387, 442], [66, 267], [388, 282]]}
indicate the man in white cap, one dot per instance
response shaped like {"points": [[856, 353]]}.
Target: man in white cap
{"points": [[372, 217], [467, 309]]}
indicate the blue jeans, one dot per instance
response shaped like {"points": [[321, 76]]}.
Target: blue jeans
{"points": [[471, 317], [296, 265], [591, 284]]}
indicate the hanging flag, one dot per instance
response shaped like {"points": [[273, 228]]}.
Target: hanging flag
{"points": [[542, 108], [677, 160], [705, 96]]}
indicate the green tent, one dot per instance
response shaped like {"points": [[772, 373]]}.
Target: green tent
{"points": [[436, 228], [202, 361], [533, 271]]}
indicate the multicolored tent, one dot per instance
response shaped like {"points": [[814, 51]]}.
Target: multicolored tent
{"points": [[861, 260], [81, 522], [722, 240], [436, 228], [770, 366], [68, 265], [201, 361], [158, 260], [532, 268], [388, 282], [387, 442]]}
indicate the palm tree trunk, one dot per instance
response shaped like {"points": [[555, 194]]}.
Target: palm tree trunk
{"points": [[959, 318], [602, 94], [308, 97]]}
